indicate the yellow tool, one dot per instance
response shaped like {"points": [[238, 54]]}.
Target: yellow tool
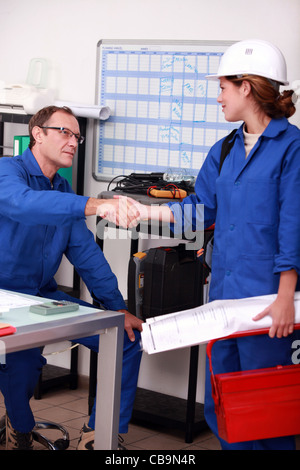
{"points": [[174, 194]]}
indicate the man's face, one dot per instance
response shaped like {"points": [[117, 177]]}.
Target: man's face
{"points": [[57, 148]]}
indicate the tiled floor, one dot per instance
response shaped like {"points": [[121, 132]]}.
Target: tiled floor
{"points": [[69, 408]]}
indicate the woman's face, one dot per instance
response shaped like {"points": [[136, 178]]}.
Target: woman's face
{"points": [[233, 100]]}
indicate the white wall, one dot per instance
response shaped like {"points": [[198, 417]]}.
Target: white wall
{"points": [[66, 33]]}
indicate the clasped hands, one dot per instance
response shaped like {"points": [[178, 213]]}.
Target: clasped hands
{"points": [[123, 211]]}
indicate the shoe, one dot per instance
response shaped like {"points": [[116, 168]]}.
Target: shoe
{"points": [[16, 440], [86, 440], [87, 437], [120, 443]]}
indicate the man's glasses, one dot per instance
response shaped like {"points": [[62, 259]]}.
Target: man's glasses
{"points": [[66, 133]]}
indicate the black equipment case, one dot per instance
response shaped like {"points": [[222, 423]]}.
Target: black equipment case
{"points": [[164, 280]]}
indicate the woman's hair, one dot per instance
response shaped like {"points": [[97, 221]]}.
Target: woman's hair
{"points": [[42, 116], [267, 96]]}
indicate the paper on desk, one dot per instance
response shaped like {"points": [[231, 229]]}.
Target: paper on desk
{"points": [[9, 300], [210, 321]]}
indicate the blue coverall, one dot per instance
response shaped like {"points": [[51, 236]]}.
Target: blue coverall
{"points": [[255, 205], [38, 225]]}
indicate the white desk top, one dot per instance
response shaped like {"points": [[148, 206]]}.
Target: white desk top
{"points": [[37, 330]]}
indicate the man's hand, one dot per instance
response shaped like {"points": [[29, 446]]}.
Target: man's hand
{"points": [[121, 210], [131, 323], [126, 212], [131, 210]]}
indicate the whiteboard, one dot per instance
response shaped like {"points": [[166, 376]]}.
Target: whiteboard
{"points": [[164, 113]]}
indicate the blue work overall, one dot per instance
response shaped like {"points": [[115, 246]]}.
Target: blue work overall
{"points": [[255, 205], [40, 223]]}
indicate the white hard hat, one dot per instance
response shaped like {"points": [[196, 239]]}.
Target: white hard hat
{"points": [[253, 57]]}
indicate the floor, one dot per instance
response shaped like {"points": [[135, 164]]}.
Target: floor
{"points": [[69, 408]]}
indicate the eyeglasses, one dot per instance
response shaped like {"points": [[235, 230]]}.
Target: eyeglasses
{"points": [[66, 133]]}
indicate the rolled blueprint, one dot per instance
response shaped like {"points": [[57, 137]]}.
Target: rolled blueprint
{"points": [[82, 110]]}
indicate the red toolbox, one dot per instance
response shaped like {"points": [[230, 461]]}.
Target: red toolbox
{"points": [[256, 404]]}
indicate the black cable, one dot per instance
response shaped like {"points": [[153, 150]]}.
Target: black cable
{"points": [[136, 183]]}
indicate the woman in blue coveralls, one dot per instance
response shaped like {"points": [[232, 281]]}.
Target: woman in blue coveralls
{"points": [[255, 205], [41, 219]]}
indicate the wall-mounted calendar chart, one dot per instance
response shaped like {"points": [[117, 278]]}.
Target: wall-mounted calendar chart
{"points": [[164, 112]]}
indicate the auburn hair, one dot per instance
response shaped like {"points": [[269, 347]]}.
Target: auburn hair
{"points": [[267, 96]]}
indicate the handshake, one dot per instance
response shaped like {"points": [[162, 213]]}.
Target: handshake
{"points": [[122, 211], [126, 212]]}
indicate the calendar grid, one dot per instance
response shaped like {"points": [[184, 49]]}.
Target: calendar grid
{"points": [[165, 114]]}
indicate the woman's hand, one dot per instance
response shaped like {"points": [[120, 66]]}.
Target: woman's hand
{"points": [[282, 312]]}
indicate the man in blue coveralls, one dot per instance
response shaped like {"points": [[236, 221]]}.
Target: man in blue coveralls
{"points": [[41, 219]]}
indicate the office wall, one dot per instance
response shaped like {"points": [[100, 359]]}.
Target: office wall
{"points": [[66, 34]]}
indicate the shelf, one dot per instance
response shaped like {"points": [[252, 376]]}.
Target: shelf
{"points": [[165, 410]]}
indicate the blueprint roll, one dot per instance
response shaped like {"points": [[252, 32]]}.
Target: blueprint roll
{"points": [[92, 112]]}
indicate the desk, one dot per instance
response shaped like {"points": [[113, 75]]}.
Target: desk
{"points": [[36, 330]]}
